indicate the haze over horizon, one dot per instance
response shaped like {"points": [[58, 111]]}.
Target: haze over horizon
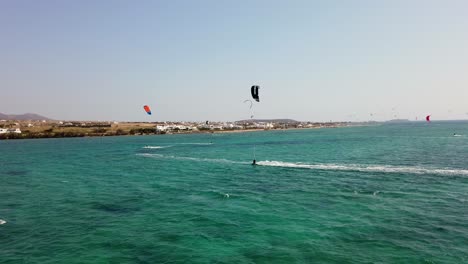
{"points": [[194, 61]]}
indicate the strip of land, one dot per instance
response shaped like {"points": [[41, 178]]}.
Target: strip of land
{"points": [[12, 129]]}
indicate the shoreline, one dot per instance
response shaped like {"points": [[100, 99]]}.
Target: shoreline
{"points": [[135, 131]]}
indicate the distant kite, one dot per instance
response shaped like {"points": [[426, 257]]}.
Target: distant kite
{"points": [[147, 109], [428, 118], [254, 92]]}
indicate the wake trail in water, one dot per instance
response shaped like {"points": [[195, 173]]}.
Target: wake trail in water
{"points": [[324, 166], [161, 156], [365, 168]]}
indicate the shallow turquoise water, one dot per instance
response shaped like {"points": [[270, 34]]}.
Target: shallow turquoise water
{"points": [[380, 194]]}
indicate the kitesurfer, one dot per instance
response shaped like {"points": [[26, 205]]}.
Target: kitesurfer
{"points": [[254, 162]]}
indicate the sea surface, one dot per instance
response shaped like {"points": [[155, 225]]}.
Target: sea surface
{"points": [[393, 193]]}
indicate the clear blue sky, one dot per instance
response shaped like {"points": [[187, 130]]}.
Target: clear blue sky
{"points": [[196, 60]]}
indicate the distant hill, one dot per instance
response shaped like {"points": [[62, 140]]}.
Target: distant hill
{"points": [[284, 121], [27, 116]]}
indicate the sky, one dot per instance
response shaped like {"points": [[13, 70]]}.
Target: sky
{"points": [[196, 60]]}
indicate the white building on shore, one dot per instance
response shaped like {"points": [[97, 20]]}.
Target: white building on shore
{"points": [[10, 130], [14, 130]]}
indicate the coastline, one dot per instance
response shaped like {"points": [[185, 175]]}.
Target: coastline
{"points": [[54, 130]]}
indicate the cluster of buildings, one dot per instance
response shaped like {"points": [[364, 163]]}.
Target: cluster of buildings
{"points": [[10, 130], [13, 126], [240, 125], [84, 124], [208, 126]]}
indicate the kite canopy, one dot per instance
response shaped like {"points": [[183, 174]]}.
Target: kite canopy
{"points": [[254, 92], [147, 109], [428, 118]]}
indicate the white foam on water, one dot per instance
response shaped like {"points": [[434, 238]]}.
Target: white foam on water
{"points": [[153, 155], [365, 168], [2, 222], [155, 147], [150, 155], [195, 143]]}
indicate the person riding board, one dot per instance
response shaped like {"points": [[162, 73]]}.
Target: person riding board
{"points": [[254, 162]]}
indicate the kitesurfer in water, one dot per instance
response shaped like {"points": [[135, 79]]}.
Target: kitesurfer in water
{"points": [[254, 162]]}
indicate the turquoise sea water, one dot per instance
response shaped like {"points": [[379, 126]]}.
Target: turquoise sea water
{"points": [[381, 194]]}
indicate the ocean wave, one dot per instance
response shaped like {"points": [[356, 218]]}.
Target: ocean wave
{"points": [[150, 155], [175, 144], [196, 143], [365, 168], [153, 155]]}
